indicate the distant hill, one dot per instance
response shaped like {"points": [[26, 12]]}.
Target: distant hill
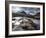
{"points": [[23, 14]]}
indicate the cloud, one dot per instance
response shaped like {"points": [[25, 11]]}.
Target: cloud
{"points": [[27, 10]]}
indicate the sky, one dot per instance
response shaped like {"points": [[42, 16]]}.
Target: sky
{"points": [[27, 10]]}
